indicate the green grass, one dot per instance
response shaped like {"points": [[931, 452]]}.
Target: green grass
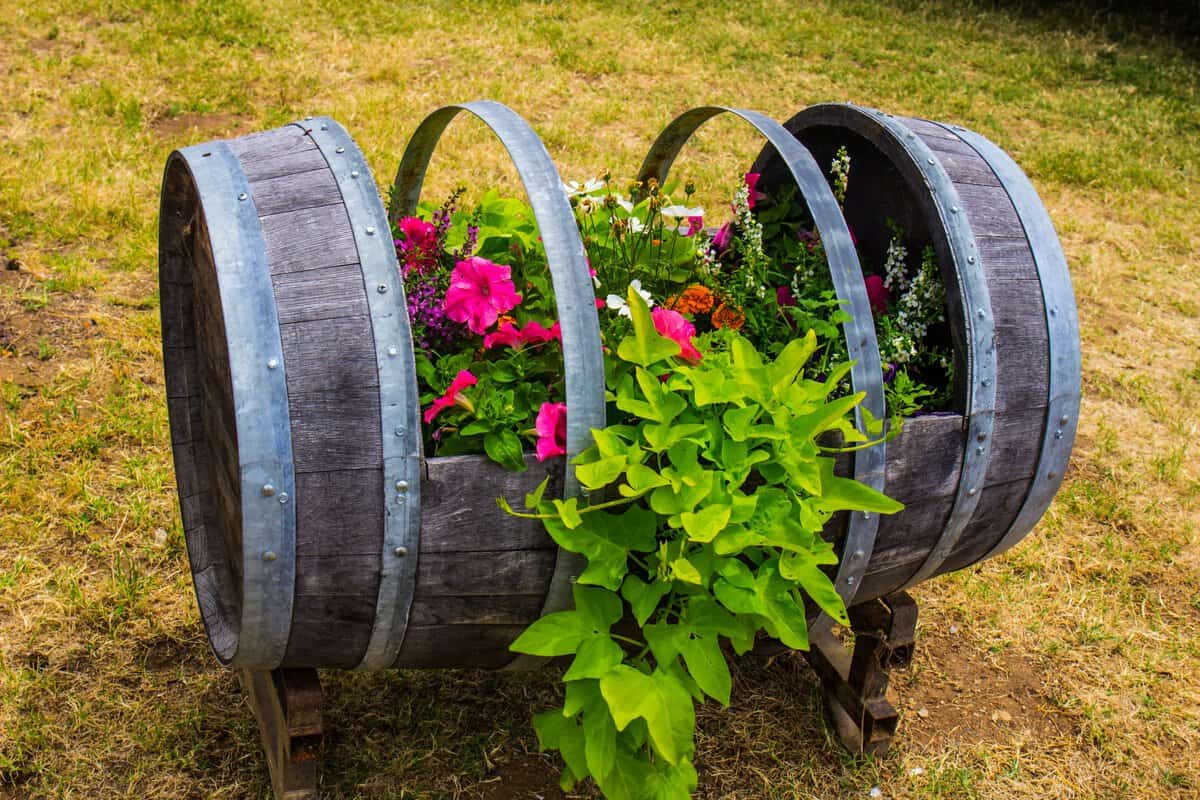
{"points": [[1085, 636]]}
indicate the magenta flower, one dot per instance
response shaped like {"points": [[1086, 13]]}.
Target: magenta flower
{"points": [[551, 427], [877, 293], [533, 333], [722, 236], [418, 234], [752, 184], [452, 396], [784, 297], [695, 225], [480, 291], [675, 326]]}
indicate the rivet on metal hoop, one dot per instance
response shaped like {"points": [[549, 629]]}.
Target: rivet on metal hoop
{"points": [[324, 127], [979, 450], [401, 486], [1058, 434], [272, 363], [970, 259], [982, 313], [269, 556], [953, 209], [339, 149], [381, 288], [283, 498], [858, 554], [268, 490], [1064, 419], [1051, 475], [981, 436], [370, 231], [931, 161], [392, 350], [354, 174], [972, 492], [399, 431], [243, 197], [850, 580], [400, 552], [986, 381]]}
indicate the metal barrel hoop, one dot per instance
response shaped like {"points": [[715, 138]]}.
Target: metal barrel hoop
{"points": [[583, 360], [1062, 321], [260, 400], [867, 373], [978, 320], [399, 403]]}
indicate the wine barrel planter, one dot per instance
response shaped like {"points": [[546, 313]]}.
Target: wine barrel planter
{"points": [[975, 481], [318, 536]]}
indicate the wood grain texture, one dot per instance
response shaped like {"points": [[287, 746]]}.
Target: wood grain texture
{"points": [[990, 210], [329, 630], [336, 430], [519, 609], [295, 191], [339, 513], [458, 504], [457, 646], [324, 355], [270, 144], [902, 544], [484, 574], [310, 238], [998, 507], [320, 294]]}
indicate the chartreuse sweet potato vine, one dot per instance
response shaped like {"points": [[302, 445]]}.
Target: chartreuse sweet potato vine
{"points": [[702, 522]]}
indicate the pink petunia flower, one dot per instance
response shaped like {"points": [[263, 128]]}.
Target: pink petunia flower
{"points": [[480, 291], [452, 396], [877, 293], [752, 184], [418, 234], [533, 333], [675, 326], [551, 427], [695, 225], [722, 236]]}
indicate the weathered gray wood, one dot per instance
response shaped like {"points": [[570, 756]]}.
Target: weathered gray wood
{"points": [[1015, 442], [311, 238], [296, 191], [457, 646], [925, 459], [267, 167], [964, 168], [997, 508], [484, 574], [335, 354], [1006, 258], [953, 147], [329, 630], [336, 430], [270, 144], [458, 504], [320, 294], [339, 513], [990, 211], [928, 129], [520, 609]]}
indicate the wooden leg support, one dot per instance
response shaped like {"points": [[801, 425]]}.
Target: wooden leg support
{"points": [[287, 703], [856, 682]]}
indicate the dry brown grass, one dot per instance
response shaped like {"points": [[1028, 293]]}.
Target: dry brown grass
{"points": [[1066, 669]]}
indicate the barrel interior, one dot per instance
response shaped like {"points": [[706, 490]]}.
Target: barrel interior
{"points": [[201, 409]]}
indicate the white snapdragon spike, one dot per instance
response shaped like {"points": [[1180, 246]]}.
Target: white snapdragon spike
{"points": [[573, 188], [681, 212], [621, 305], [636, 225]]}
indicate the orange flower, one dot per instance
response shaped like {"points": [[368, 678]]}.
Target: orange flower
{"points": [[726, 317], [695, 299]]}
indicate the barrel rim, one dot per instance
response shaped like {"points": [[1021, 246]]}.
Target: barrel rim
{"points": [[262, 423], [861, 343], [567, 260]]}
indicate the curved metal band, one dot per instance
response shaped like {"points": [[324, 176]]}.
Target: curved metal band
{"points": [[583, 359], [1062, 322], [980, 333], [260, 404], [399, 403], [867, 373]]}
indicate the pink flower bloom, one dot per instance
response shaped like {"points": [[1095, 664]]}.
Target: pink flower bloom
{"points": [[451, 397], [418, 234], [695, 225], [722, 236], [877, 293], [480, 291], [752, 185], [551, 429], [784, 297], [600, 302], [533, 333], [675, 326]]}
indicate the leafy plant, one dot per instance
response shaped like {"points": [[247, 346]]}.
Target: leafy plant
{"points": [[701, 528]]}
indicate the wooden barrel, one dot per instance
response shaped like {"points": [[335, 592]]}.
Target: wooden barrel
{"points": [[318, 536], [975, 481]]}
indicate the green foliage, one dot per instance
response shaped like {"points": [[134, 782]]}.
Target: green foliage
{"points": [[704, 527]]}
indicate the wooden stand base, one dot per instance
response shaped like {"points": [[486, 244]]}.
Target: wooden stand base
{"points": [[287, 704], [856, 681]]}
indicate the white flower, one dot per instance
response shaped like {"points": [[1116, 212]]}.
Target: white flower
{"points": [[623, 203], [621, 305], [573, 188], [636, 225], [681, 212]]}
